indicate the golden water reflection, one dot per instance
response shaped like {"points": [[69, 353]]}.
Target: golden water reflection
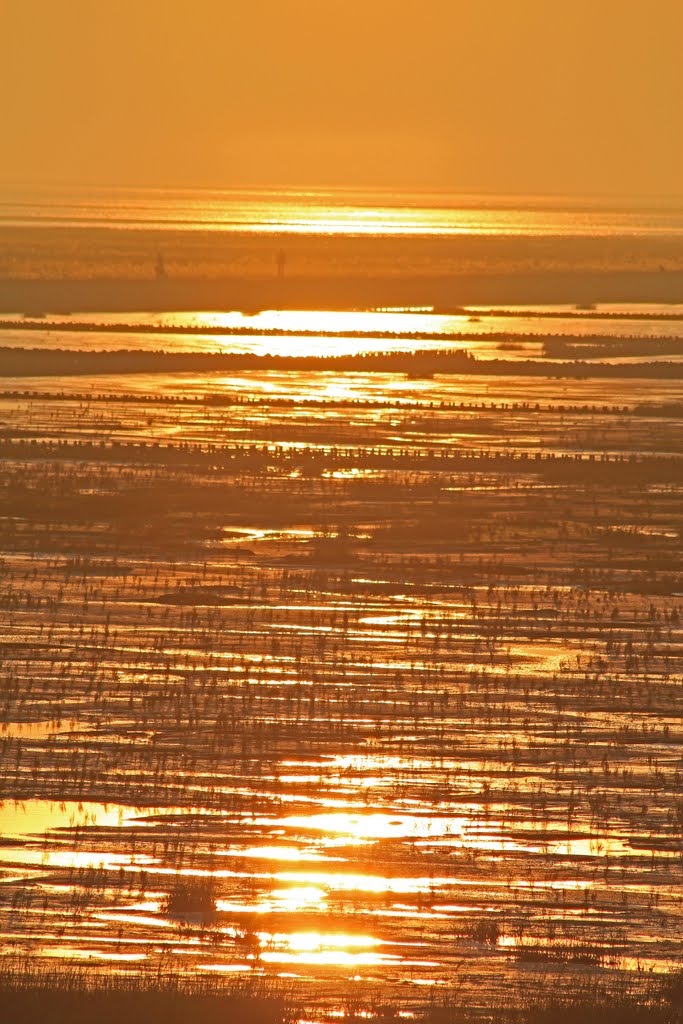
{"points": [[322, 321], [322, 949]]}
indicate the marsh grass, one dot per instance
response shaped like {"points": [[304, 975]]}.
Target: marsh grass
{"points": [[623, 999], [658, 1000], [192, 899], [76, 995]]}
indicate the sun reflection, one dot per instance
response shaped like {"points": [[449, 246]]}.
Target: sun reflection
{"points": [[67, 953], [97, 859], [35, 817], [277, 853], [378, 826], [341, 882], [322, 949], [299, 898], [316, 940], [291, 900], [330, 958], [323, 321], [323, 332]]}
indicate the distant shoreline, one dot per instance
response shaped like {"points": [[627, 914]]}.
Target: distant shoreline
{"points": [[445, 293]]}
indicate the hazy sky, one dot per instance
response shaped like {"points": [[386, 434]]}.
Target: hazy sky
{"points": [[529, 96]]}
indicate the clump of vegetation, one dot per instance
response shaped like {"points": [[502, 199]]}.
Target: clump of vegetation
{"points": [[570, 951], [485, 929], [192, 898]]}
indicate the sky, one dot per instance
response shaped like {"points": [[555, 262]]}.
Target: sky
{"points": [[577, 97]]}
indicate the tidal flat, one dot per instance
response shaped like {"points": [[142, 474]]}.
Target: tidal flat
{"points": [[368, 684]]}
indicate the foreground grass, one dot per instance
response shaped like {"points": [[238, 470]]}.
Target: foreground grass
{"points": [[660, 1003], [657, 999], [75, 996], [80, 996]]}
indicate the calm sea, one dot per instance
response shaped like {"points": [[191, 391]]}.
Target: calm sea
{"points": [[341, 212]]}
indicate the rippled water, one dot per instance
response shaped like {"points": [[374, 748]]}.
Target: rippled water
{"points": [[340, 683], [339, 212]]}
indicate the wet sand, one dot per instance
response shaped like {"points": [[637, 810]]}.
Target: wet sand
{"points": [[445, 293]]}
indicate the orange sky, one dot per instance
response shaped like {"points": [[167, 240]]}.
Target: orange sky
{"points": [[493, 95]]}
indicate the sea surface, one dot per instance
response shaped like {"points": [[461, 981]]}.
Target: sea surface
{"points": [[341, 212]]}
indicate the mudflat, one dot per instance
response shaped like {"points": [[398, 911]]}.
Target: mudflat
{"points": [[81, 268], [445, 293]]}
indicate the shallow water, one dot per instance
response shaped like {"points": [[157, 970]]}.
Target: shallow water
{"points": [[488, 334], [336, 709]]}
